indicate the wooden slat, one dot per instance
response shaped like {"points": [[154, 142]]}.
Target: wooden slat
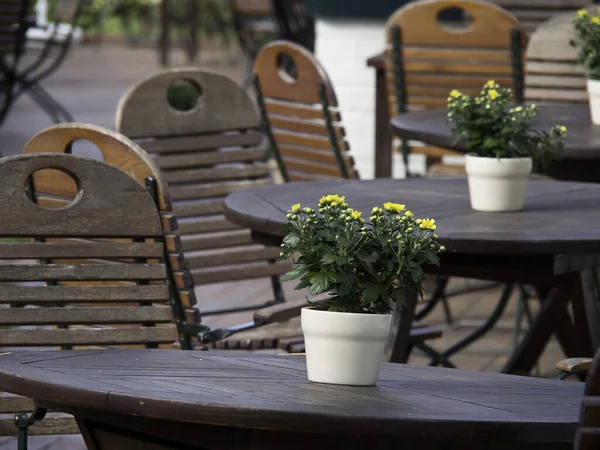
{"points": [[432, 152], [306, 140], [14, 404], [80, 250], [229, 172], [231, 256], [77, 294], [198, 207], [455, 54], [215, 240], [456, 67], [563, 95], [293, 124], [205, 224], [205, 190], [296, 176], [196, 159], [311, 167], [316, 155], [241, 272], [451, 81], [57, 272], [83, 315], [201, 142], [553, 68], [100, 336], [298, 110], [556, 81]]}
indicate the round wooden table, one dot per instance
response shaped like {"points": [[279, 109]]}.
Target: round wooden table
{"points": [[580, 161], [166, 399], [553, 244]]}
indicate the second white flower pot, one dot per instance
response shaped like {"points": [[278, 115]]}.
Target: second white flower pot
{"points": [[497, 184], [593, 88], [344, 348]]}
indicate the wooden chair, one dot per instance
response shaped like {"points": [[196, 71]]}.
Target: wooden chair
{"points": [[427, 58], [552, 73], [212, 150], [587, 436], [531, 14], [304, 125], [92, 273]]}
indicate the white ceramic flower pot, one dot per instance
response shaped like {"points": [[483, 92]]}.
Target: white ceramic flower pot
{"points": [[344, 348], [497, 184], [593, 88]]}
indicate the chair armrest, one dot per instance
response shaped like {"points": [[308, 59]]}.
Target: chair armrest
{"points": [[283, 311], [574, 365]]}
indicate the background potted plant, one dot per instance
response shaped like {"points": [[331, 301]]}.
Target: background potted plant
{"points": [[587, 41], [503, 146], [366, 269]]}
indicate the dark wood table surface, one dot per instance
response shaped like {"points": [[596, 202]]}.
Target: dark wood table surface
{"points": [[126, 399], [580, 162], [553, 244]]}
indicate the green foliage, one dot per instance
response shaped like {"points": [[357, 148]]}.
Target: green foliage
{"points": [[365, 267], [587, 40], [492, 129]]}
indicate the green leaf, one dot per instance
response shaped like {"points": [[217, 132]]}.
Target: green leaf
{"points": [[320, 282], [417, 274], [296, 272], [366, 257], [347, 284], [399, 297], [302, 285], [328, 259], [371, 293], [291, 240]]}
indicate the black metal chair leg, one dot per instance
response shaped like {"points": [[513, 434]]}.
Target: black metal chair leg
{"points": [[24, 421], [51, 102]]}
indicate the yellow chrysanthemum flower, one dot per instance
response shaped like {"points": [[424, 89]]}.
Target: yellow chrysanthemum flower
{"points": [[582, 13], [562, 129], [331, 198], [354, 214], [409, 214], [596, 20], [455, 93], [393, 207], [493, 94], [491, 83], [427, 224], [296, 208]]}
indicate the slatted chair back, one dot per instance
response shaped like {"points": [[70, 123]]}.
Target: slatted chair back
{"points": [[57, 287], [532, 13], [427, 58], [52, 187], [588, 432], [13, 15], [552, 73], [299, 105], [205, 153]]}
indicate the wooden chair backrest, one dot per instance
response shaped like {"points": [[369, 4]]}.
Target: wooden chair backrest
{"points": [[552, 73], [532, 13], [111, 218], [252, 7], [205, 154], [50, 187], [588, 432], [437, 58], [297, 115], [12, 25], [66, 10]]}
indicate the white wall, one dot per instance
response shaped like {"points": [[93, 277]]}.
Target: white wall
{"points": [[343, 47]]}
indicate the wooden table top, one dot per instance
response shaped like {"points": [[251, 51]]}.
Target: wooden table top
{"points": [[559, 217], [256, 391], [432, 127]]}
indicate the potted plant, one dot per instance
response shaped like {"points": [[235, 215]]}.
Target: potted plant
{"points": [[503, 146], [587, 40], [366, 269]]}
